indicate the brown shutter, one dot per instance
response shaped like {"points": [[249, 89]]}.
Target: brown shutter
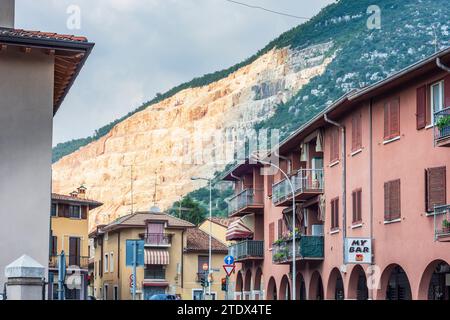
{"points": [[280, 228], [332, 145], [269, 184], [421, 107], [336, 213], [387, 197], [395, 200], [354, 132], [84, 212], [354, 206], [435, 187], [447, 91], [387, 129], [359, 131], [394, 121], [359, 205], [271, 234]]}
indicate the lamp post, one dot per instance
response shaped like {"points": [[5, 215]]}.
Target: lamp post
{"points": [[210, 228], [294, 253]]}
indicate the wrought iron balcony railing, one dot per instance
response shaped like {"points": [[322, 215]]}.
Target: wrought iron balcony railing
{"points": [[306, 248], [247, 250], [71, 261], [158, 239], [442, 124], [245, 199], [304, 181]]}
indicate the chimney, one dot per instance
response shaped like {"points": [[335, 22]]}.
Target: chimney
{"points": [[7, 13], [81, 192]]}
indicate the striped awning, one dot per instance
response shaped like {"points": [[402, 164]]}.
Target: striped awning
{"points": [[156, 257], [241, 229]]}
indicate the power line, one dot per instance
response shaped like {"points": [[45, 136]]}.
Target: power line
{"points": [[267, 10]]}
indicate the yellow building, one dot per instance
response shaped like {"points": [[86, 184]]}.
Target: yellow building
{"points": [[69, 234], [175, 252], [218, 227]]}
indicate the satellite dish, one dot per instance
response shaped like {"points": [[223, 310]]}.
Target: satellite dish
{"points": [[155, 210]]}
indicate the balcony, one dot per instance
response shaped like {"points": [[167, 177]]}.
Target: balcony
{"points": [[247, 250], [71, 261], [248, 201], [442, 223], [442, 128], [158, 240], [307, 183], [306, 247]]}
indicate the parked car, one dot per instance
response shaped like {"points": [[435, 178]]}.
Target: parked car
{"points": [[164, 297]]}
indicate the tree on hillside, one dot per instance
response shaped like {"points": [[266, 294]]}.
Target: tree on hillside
{"points": [[190, 210]]}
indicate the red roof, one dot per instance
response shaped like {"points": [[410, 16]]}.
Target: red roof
{"points": [[224, 222], [41, 35], [198, 240], [64, 198]]}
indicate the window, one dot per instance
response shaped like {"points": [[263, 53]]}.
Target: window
{"points": [[392, 119], [356, 132], [392, 201], [357, 207], [157, 272], [435, 188], [105, 292], [437, 98], [106, 263], [271, 234], [74, 251], [111, 262], [335, 214], [54, 210], [281, 228], [116, 293], [75, 212], [54, 246], [334, 145]]}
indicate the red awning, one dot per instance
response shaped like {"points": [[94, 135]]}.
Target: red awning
{"points": [[238, 230], [156, 257]]}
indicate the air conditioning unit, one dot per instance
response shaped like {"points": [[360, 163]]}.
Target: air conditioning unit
{"points": [[317, 230]]}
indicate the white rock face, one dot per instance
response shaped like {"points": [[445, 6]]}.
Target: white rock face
{"points": [[182, 136]]}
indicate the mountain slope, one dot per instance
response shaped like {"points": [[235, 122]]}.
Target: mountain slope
{"points": [[284, 85]]}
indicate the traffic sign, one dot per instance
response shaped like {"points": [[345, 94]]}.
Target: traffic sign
{"points": [[229, 269], [205, 267], [229, 260]]}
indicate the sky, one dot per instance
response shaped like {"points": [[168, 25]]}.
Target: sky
{"points": [[144, 47]]}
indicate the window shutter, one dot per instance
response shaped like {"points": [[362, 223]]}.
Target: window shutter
{"points": [[359, 131], [354, 205], [387, 197], [84, 211], [395, 200], [336, 213], [271, 234], [435, 187], [332, 145], [421, 107], [354, 132], [269, 184], [394, 120], [359, 205], [447, 91], [387, 130], [280, 228]]}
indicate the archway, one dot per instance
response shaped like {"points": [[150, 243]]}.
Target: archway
{"points": [[433, 283], [285, 289], [316, 287], [239, 286], [300, 287], [357, 287], [335, 285], [247, 285], [258, 285], [271, 290], [395, 284]]}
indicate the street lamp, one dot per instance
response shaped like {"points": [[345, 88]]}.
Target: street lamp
{"points": [[294, 253], [210, 227]]}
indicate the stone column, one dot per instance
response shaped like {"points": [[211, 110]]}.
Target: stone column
{"points": [[25, 279]]}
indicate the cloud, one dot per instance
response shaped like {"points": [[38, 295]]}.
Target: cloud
{"points": [[149, 46]]}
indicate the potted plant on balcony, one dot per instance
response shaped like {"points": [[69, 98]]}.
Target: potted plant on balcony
{"points": [[446, 226], [443, 125]]}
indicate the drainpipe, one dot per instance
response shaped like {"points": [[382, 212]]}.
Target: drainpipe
{"points": [[371, 186], [441, 65], [344, 183]]}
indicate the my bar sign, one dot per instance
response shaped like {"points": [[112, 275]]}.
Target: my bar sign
{"points": [[358, 250]]}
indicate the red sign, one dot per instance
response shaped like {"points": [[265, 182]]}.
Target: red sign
{"points": [[205, 267], [229, 269]]}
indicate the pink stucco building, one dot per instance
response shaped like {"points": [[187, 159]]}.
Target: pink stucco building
{"points": [[372, 209]]}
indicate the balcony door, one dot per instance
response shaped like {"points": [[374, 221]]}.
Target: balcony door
{"points": [[74, 251], [155, 233]]}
